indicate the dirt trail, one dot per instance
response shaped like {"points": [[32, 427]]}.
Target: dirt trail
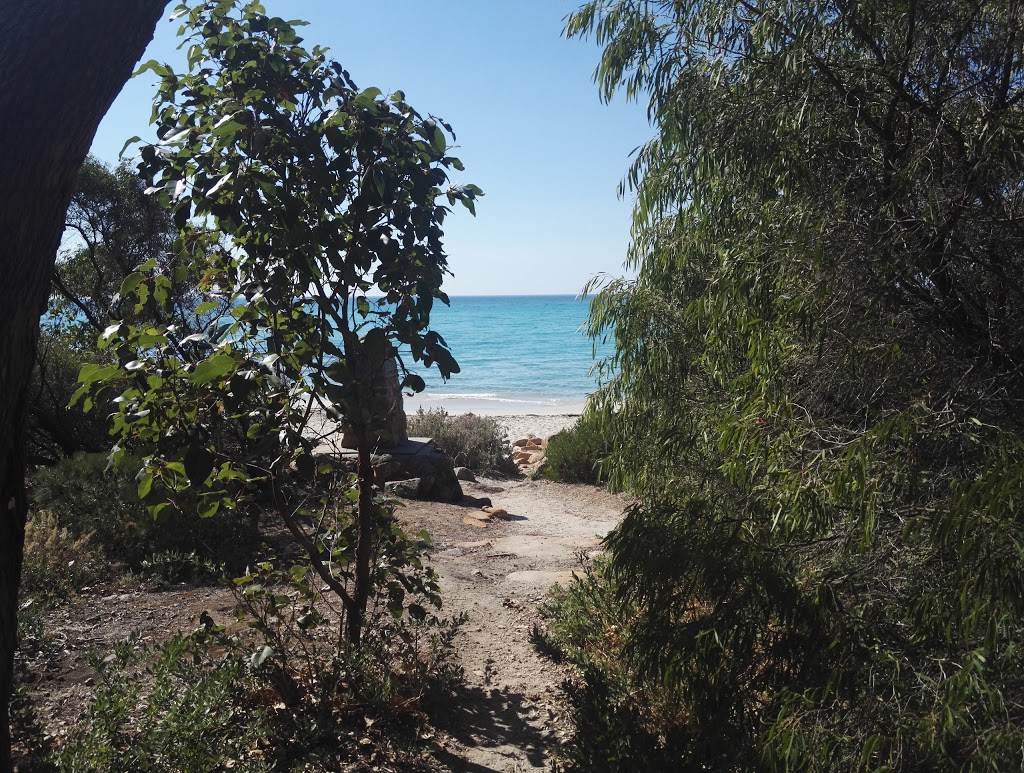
{"points": [[509, 717]]}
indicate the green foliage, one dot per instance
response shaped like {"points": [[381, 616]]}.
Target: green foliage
{"points": [[477, 442], [54, 430], [318, 195], [167, 708], [32, 748], [575, 454], [299, 643], [625, 720], [112, 227], [91, 501], [816, 386], [174, 567]]}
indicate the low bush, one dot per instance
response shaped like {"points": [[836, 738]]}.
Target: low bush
{"points": [[277, 692], [57, 563], [89, 500], [575, 454], [625, 720], [167, 708], [477, 442]]}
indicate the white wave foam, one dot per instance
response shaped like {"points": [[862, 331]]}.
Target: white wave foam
{"points": [[489, 397]]}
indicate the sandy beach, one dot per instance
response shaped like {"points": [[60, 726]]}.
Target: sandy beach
{"points": [[521, 418], [522, 425]]}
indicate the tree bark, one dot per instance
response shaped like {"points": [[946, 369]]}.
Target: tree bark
{"points": [[62, 63]]}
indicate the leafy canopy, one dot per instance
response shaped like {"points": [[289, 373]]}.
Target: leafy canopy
{"points": [[299, 197], [816, 394]]}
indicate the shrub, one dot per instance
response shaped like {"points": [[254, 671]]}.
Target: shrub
{"points": [[624, 719], [477, 442], [575, 455], [167, 708], [89, 500], [54, 430], [57, 563]]}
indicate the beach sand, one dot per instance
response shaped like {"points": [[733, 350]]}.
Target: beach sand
{"points": [[542, 425], [520, 417]]}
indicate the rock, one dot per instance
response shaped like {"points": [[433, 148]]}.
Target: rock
{"points": [[474, 522], [521, 456], [535, 457], [481, 515], [520, 442], [534, 442], [414, 458], [464, 473], [385, 404], [385, 471], [480, 502], [407, 489], [496, 512]]}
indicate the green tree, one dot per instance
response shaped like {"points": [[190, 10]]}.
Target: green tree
{"points": [[111, 227], [817, 385], [318, 194]]}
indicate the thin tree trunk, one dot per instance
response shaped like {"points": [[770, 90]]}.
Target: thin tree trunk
{"points": [[364, 544], [62, 62]]}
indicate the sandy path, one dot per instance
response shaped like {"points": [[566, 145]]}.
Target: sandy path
{"points": [[508, 717]]}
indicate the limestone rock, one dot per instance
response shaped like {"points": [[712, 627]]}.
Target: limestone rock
{"points": [[407, 489], [496, 512], [415, 458], [464, 473]]}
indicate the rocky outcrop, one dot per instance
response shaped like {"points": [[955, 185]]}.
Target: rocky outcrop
{"points": [[415, 469], [528, 452], [388, 409]]}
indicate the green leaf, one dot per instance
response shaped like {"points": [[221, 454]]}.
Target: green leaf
{"points": [[368, 97], [260, 656], [209, 370], [129, 285], [92, 373], [414, 383], [145, 483], [128, 142], [153, 66], [199, 462]]}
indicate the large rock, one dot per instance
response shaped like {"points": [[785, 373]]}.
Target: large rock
{"points": [[388, 409], [416, 458], [409, 489]]}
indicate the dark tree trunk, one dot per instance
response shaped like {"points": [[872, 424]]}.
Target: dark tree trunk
{"points": [[366, 518], [62, 62]]}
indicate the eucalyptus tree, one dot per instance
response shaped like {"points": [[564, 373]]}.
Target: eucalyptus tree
{"points": [[818, 385], [62, 65], [111, 227], [315, 211]]}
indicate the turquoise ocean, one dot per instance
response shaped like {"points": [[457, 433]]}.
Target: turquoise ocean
{"points": [[517, 354]]}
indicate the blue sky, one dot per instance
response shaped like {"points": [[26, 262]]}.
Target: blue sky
{"points": [[531, 129]]}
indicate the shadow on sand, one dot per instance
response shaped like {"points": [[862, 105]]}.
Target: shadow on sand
{"points": [[488, 718]]}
